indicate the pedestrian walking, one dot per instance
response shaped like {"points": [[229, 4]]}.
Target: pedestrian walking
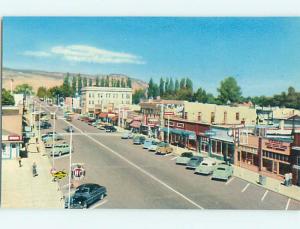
{"points": [[34, 169], [20, 161]]}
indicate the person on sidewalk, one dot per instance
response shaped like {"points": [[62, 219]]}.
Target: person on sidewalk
{"points": [[34, 169], [20, 161]]}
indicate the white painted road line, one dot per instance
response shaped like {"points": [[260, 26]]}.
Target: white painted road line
{"points": [[174, 158], [287, 204], [244, 189], [98, 204], [138, 168], [264, 196], [229, 181]]}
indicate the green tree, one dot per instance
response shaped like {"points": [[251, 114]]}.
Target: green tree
{"points": [[106, 81], [176, 89], [129, 84], [150, 88], [102, 82], [97, 81], [42, 92], [79, 83], [155, 90], [85, 81], [200, 96], [161, 86], [118, 83], [24, 89], [167, 87], [229, 91], [74, 86], [182, 83], [7, 99], [66, 88], [90, 82], [185, 94], [189, 83], [123, 83], [138, 95]]}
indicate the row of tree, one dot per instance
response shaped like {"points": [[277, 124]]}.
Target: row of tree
{"points": [[229, 92]]}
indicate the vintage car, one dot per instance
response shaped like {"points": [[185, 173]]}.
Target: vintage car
{"points": [[149, 142], [85, 195], [184, 158], [60, 149], [49, 136], [127, 135], [206, 167], [222, 172], [70, 129], [139, 139], [194, 162], [110, 129], [164, 148]]}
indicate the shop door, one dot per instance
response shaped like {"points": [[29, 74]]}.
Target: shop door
{"points": [[5, 151], [13, 148]]}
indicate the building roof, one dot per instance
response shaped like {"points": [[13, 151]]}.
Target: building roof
{"points": [[174, 118]]}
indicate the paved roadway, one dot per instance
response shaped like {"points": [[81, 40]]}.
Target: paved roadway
{"points": [[136, 178]]}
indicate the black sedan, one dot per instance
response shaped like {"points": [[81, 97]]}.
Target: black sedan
{"points": [[194, 162], [45, 125], [110, 129], [86, 194]]}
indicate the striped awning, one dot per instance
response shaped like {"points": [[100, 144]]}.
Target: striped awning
{"points": [[136, 124]]}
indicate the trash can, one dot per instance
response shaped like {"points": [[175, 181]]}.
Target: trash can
{"points": [[262, 180]]}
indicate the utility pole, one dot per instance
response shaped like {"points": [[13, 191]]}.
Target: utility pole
{"points": [[70, 170]]}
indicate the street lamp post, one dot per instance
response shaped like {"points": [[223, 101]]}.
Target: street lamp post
{"points": [[70, 170], [40, 122]]}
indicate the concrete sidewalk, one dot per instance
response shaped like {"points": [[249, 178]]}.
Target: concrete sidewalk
{"points": [[21, 190]]}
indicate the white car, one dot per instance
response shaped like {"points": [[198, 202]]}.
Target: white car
{"points": [[206, 167]]}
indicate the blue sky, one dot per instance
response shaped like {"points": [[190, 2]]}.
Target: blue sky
{"points": [[263, 54]]}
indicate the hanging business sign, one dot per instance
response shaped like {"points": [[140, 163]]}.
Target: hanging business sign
{"points": [[169, 113], [14, 138], [210, 133]]}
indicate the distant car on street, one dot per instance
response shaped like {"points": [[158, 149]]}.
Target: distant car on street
{"points": [[222, 172], [45, 125], [86, 194], [184, 158], [206, 167], [164, 148], [127, 135], [90, 121], [69, 129], [49, 136], [49, 143], [139, 139], [194, 162], [61, 149], [154, 146]]}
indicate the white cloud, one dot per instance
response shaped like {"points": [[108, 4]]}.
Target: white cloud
{"points": [[89, 54], [37, 53]]}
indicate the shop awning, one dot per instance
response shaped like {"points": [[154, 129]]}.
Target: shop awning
{"points": [[136, 124], [102, 115], [129, 120]]}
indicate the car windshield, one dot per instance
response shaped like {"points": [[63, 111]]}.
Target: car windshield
{"points": [[154, 143], [223, 169], [83, 189], [204, 164], [162, 144], [194, 159], [187, 155]]}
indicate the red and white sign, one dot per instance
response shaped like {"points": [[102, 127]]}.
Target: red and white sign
{"points": [[151, 124], [14, 138], [169, 113]]}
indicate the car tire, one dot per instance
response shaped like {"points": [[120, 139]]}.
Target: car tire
{"points": [[60, 153], [85, 205], [101, 196]]}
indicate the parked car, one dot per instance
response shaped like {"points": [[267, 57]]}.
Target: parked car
{"points": [[90, 121], [69, 118], [94, 124], [148, 143], [110, 129], [85, 195], [154, 146], [49, 136], [194, 162], [127, 135], [206, 167], [164, 148], [184, 158], [69, 129], [222, 172], [139, 139], [45, 125], [61, 149]]}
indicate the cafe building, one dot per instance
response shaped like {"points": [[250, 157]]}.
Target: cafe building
{"points": [[11, 132]]}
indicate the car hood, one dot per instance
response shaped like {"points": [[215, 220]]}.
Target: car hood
{"points": [[193, 163]]}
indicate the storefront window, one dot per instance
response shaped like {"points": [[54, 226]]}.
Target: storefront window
{"points": [[283, 168], [3, 147], [268, 165]]}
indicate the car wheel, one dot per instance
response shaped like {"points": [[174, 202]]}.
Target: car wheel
{"points": [[60, 153], [102, 196], [85, 205]]}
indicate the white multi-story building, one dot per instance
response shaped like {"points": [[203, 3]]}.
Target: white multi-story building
{"points": [[95, 99]]}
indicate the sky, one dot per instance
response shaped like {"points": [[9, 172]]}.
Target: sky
{"points": [[263, 54]]}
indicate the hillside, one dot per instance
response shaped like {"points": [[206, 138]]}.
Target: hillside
{"points": [[37, 78]]}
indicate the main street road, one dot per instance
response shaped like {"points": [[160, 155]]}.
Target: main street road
{"points": [[136, 178]]}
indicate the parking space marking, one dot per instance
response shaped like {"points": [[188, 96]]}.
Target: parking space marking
{"points": [[229, 181], [138, 168], [99, 204], [287, 204], [244, 189], [174, 158], [264, 196]]}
